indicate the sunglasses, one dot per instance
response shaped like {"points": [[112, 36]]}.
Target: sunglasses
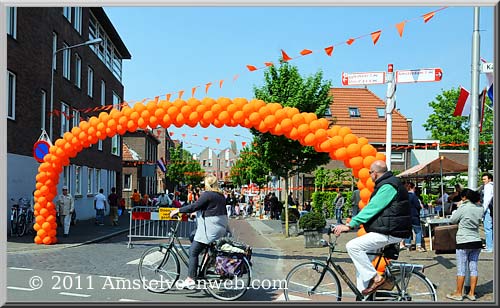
{"points": [[370, 172]]}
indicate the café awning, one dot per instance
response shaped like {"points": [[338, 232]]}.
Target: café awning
{"points": [[434, 167]]}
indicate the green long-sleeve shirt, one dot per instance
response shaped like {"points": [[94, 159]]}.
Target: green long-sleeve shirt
{"points": [[377, 203]]}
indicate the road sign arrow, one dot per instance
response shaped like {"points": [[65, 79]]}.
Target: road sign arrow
{"points": [[419, 75], [438, 74]]}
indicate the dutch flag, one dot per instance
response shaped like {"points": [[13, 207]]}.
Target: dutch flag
{"points": [[463, 104], [161, 165]]}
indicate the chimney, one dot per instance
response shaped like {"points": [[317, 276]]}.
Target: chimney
{"points": [[410, 130]]}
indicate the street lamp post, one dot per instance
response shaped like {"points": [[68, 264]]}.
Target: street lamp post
{"points": [[54, 52]]}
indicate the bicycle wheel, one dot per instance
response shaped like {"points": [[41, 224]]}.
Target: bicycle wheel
{"points": [[227, 288], [21, 225], [13, 227], [304, 282], [418, 289], [159, 269]]}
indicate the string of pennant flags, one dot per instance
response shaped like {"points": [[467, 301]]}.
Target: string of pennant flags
{"points": [[375, 36]]}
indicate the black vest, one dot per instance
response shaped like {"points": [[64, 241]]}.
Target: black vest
{"points": [[395, 218]]}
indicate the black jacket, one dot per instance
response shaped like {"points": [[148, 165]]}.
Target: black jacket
{"points": [[395, 218], [211, 203]]}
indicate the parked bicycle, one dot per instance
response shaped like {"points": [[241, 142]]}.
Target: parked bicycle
{"points": [[318, 281], [159, 269], [21, 217]]}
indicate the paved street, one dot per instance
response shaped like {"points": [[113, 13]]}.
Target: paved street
{"points": [[74, 271]]}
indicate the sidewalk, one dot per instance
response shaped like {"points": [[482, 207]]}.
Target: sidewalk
{"points": [[83, 232]]}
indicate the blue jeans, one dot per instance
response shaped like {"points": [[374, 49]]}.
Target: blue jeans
{"points": [[99, 216], [418, 236], [488, 230], [194, 252], [338, 215]]}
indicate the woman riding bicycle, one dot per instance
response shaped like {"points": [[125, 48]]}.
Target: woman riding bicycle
{"points": [[211, 221], [386, 218]]}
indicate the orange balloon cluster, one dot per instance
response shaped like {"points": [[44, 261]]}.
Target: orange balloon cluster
{"points": [[306, 128]]}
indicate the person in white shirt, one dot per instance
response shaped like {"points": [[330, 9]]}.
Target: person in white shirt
{"points": [[65, 207], [163, 199], [487, 219], [100, 207]]}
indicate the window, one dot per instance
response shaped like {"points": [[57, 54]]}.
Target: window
{"points": [[67, 176], [97, 180], [116, 101], [78, 71], [397, 157], [67, 13], [381, 112], [78, 19], [111, 179], [115, 145], [204, 163], [66, 62], [75, 118], [90, 82], [90, 181], [43, 103], [78, 180], [54, 48], [354, 112], [103, 93], [12, 21], [328, 112], [127, 182], [65, 115], [11, 95], [99, 145]]}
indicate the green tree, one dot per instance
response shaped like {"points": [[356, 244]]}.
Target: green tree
{"points": [[183, 169], [284, 85], [249, 168], [455, 130]]}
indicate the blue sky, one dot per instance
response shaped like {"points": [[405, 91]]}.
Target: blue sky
{"points": [[178, 48]]}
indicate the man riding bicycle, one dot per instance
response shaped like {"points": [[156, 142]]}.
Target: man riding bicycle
{"points": [[386, 219]]}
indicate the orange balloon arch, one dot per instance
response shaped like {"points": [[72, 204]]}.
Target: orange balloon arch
{"points": [[339, 142]]}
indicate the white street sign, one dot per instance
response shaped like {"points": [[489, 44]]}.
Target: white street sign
{"points": [[487, 67], [351, 79], [420, 75]]}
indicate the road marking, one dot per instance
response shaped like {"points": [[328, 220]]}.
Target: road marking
{"points": [[20, 288], [134, 262], [64, 273], [74, 294], [21, 268]]}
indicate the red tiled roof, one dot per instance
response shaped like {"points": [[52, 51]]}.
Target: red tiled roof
{"points": [[127, 154], [368, 125]]}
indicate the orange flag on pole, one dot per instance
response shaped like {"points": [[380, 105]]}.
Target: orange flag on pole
{"points": [[167, 96], [376, 36], [268, 63], [218, 140], [243, 143], [207, 86], [220, 83], [285, 56], [305, 52], [251, 68], [205, 138], [329, 50], [180, 94], [156, 99], [428, 16], [193, 90], [401, 27], [350, 41]]}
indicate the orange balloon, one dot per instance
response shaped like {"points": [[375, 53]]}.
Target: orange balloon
{"points": [[369, 184], [368, 161], [360, 184], [208, 116], [362, 141], [201, 108], [173, 111], [38, 240], [364, 194], [341, 153], [50, 219], [280, 115], [350, 138], [286, 125], [337, 142], [310, 139], [343, 131], [41, 233], [238, 116], [248, 109], [47, 240], [324, 123], [186, 110], [321, 134], [292, 111], [334, 131], [368, 150], [264, 112], [270, 121], [347, 164], [326, 146], [37, 226], [223, 117], [298, 119], [254, 118], [361, 204], [309, 117], [52, 233], [361, 231], [231, 109], [216, 109], [356, 162], [294, 134], [303, 130], [364, 173], [315, 125], [353, 150], [167, 120], [46, 226], [380, 156]]}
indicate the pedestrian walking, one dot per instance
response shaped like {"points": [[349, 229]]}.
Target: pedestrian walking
{"points": [[468, 217], [65, 207], [113, 207], [338, 203], [100, 207], [487, 217], [415, 207], [136, 198], [355, 198]]}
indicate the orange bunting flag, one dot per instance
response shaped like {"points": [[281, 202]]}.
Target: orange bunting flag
{"points": [[350, 41], [428, 16], [243, 143], [251, 68], [180, 94], [305, 52], [205, 138], [156, 99], [376, 36], [193, 90], [171, 134], [329, 50], [218, 140], [285, 56], [401, 27], [207, 86], [236, 77], [220, 83], [195, 135], [268, 63], [183, 135], [167, 96]]}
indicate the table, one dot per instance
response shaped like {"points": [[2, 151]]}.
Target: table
{"points": [[428, 221]]}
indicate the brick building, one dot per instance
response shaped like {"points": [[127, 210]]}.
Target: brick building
{"points": [[86, 76]]}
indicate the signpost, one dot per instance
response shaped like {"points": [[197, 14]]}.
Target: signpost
{"points": [[487, 67], [420, 75], [40, 149], [351, 79], [402, 76]]}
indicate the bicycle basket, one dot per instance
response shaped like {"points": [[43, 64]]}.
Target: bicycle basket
{"points": [[228, 265], [391, 251], [226, 246]]}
